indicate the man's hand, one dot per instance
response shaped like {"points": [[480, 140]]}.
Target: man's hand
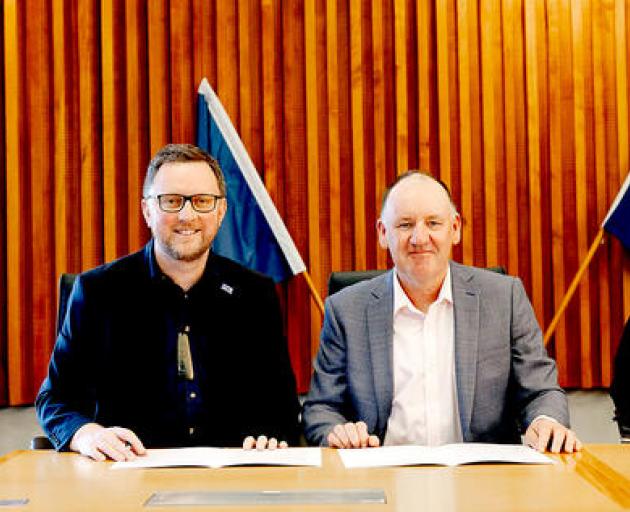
{"points": [[352, 435], [543, 431], [98, 443], [262, 443]]}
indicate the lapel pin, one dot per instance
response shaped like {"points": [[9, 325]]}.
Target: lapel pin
{"points": [[227, 288]]}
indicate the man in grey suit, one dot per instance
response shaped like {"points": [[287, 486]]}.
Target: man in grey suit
{"points": [[432, 352]]}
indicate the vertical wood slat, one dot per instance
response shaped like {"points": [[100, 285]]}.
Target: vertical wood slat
{"points": [[470, 128], [137, 118], [296, 188], [358, 142], [39, 106], [534, 57], [557, 142], [606, 15], [380, 105], [493, 127], [521, 107], [183, 91], [18, 229], [91, 224], [272, 112], [312, 155], [204, 41], [401, 65], [4, 398], [601, 173], [62, 75], [515, 157], [244, 66], [249, 78], [334, 155], [66, 157], [427, 124], [114, 129], [580, 19], [445, 77], [159, 73], [227, 59], [622, 53]]}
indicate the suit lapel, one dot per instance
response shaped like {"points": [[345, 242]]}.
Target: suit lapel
{"points": [[379, 321], [466, 313]]}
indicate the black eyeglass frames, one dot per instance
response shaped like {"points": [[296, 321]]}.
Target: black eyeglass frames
{"points": [[173, 203]]}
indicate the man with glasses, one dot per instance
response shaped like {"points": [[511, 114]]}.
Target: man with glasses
{"points": [[173, 345]]}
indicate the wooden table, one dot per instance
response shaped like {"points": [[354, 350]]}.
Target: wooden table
{"points": [[598, 479]]}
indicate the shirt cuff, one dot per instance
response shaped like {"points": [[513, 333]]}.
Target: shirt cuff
{"points": [[544, 416]]}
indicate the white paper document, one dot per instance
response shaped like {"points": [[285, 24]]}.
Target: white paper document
{"points": [[219, 457], [446, 455]]}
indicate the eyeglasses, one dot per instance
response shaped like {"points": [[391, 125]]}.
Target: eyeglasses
{"points": [[173, 203]]}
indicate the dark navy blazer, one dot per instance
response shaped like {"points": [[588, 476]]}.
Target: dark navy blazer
{"points": [[115, 359]]}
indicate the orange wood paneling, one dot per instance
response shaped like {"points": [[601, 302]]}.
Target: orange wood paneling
{"points": [[520, 106], [3, 239]]}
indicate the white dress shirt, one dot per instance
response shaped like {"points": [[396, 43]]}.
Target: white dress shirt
{"points": [[424, 408]]}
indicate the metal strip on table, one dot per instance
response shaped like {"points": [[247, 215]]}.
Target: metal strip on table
{"points": [[271, 497]]}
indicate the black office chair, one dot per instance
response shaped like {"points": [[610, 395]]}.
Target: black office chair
{"points": [[339, 280], [620, 387], [66, 281]]}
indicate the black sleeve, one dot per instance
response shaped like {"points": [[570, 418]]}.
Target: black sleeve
{"points": [[66, 399], [278, 407]]}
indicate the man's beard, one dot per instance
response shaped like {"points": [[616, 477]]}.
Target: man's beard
{"points": [[185, 252], [174, 253]]}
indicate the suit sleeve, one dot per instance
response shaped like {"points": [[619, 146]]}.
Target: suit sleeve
{"points": [[277, 415], [66, 399], [535, 375], [325, 405]]}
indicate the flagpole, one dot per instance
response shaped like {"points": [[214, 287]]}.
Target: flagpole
{"points": [[314, 292], [569, 294]]}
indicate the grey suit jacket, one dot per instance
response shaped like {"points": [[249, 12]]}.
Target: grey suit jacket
{"points": [[504, 377]]}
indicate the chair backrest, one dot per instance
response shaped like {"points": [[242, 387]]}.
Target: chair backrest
{"points": [[339, 280], [66, 281]]}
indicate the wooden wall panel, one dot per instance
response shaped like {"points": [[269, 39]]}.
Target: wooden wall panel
{"points": [[3, 239], [521, 106], [88, 88], [19, 371]]}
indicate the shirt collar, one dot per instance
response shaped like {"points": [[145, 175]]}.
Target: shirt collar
{"points": [[156, 274], [402, 300]]}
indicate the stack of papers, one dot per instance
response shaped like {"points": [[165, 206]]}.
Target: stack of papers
{"points": [[219, 457], [446, 455]]}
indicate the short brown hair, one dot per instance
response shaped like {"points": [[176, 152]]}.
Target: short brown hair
{"points": [[181, 153], [409, 174]]}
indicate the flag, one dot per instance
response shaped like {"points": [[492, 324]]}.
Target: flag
{"points": [[617, 222], [252, 232]]}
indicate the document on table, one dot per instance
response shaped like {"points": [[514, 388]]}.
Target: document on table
{"points": [[219, 457], [445, 455]]}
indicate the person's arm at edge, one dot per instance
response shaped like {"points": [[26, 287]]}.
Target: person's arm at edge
{"points": [[542, 403], [285, 431], [60, 410], [324, 405], [65, 405]]}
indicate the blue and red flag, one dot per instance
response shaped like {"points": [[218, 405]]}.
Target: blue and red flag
{"points": [[252, 232]]}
